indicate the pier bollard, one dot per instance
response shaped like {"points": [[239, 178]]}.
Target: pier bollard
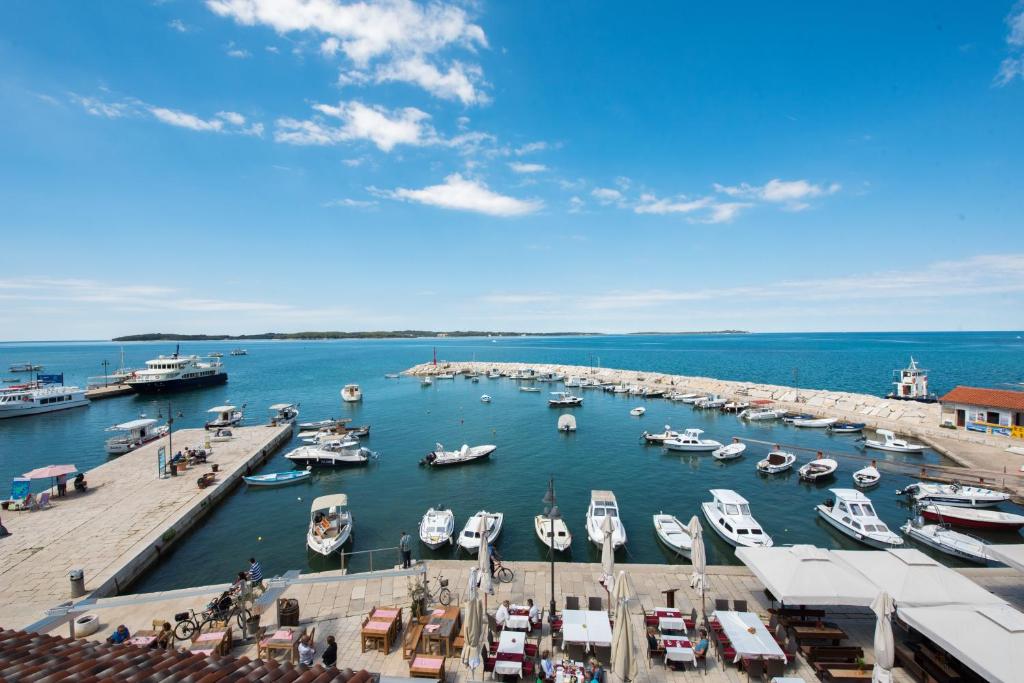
{"points": [[77, 577]]}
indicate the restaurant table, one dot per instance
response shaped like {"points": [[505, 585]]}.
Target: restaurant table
{"points": [[211, 642], [586, 627], [376, 630], [669, 619], [813, 632], [748, 635], [518, 618], [678, 650], [848, 674], [144, 638], [509, 657], [566, 671], [442, 628], [284, 639], [427, 666]]}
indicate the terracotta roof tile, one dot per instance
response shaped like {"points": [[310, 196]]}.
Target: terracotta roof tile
{"points": [[990, 398]]}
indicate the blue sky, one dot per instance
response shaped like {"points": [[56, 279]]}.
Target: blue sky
{"points": [[251, 165]]}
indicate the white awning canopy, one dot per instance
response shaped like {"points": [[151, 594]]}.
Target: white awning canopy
{"points": [[136, 424], [221, 409], [282, 406], [330, 501], [1012, 555], [806, 575]]}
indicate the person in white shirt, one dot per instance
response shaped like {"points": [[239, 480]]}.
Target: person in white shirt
{"points": [[534, 614], [501, 616], [306, 652], [546, 666]]}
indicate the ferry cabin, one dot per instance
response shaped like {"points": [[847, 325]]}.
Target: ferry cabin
{"points": [[990, 411], [911, 383]]}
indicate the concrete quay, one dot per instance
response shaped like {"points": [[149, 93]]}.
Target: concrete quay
{"points": [[122, 524], [108, 391]]}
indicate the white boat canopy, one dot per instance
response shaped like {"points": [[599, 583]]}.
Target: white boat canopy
{"points": [[220, 409], [806, 575], [281, 406], [988, 638], [136, 424], [1012, 555], [329, 501]]}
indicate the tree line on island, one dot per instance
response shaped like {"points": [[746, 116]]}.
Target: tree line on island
{"points": [[392, 334]]}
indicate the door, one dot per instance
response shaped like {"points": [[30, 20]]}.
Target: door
{"points": [[961, 417]]}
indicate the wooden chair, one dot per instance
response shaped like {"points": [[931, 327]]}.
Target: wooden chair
{"points": [[754, 668], [411, 641], [657, 651], [774, 668]]}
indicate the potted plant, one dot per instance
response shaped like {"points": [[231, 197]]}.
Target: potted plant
{"points": [[860, 663], [419, 595]]}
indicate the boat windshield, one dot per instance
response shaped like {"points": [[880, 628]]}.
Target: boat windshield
{"points": [[732, 509]]}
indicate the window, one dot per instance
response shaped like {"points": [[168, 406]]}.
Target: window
{"points": [[745, 509], [869, 511], [727, 526], [992, 417], [732, 509], [842, 506]]}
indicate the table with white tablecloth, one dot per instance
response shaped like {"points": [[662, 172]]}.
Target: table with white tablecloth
{"points": [[586, 627], [678, 650], [518, 618], [669, 619], [748, 635], [508, 660]]}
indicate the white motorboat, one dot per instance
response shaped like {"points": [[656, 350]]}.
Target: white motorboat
{"points": [[439, 457], [852, 513], [589, 383], [680, 397], [563, 399], [815, 422], [530, 390], [527, 374], [620, 389], [761, 414], [560, 540], [867, 477], [177, 372], [711, 403], [227, 416], [817, 469], [426, 382], [694, 399], [25, 367], [567, 423], [673, 534], [446, 375], [485, 398], [134, 434], [437, 527], [889, 442], [776, 461], [945, 540], [330, 524], [351, 393], [729, 515], [973, 518], [789, 417], [730, 451], [638, 411], [284, 413], [661, 437], [494, 374], [690, 440], [735, 406], [38, 398], [604, 506], [956, 495], [239, 352], [322, 424], [215, 354], [469, 539], [391, 375], [550, 377], [330, 454], [573, 382]]}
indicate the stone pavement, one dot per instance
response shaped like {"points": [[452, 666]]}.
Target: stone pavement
{"points": [[116, 528]]}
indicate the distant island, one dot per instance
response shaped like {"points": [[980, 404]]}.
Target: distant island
{"points": [[392, 334]]}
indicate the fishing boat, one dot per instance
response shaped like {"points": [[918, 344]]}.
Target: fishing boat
{"points": [[955, 494], [638, 411], [331, 454], [426, 382], [817, 469], [690, 441], [134, 434], [852, 513], [469, 539], [620, 389], [239, 352], [176, 373], [552, 533], [485, 398], [735, 406], [278, 478], [283, 413], [867, 477], [563, 399], [762, 414], [846, 427], [603, 506], [446, 375], [973, 518], [527, 374], [889, 442], [940, 537], [711, 403], [567, 423], [573, 382], [322, 424], [693, 399], [494, 374], [660, 438], [673, 534], [226, 416], [776, 461], [330, 524], [35, 398], [911, 384], [730, 451], [530, 390], [729, 515], [437, 527], [654, 393], [815, 422], [351, 393], [439, 457], [24, 367]]}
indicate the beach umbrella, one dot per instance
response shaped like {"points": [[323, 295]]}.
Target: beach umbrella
{"points": [[624, 661], [608, 552], [884, 646], [484, 556], [50, 471], [698, 579]]}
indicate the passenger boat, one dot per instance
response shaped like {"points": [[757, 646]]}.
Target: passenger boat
{"points": [[604, 506], [911, 384], [761, 414], [469, 539], [331, 454], [530, 390], [36, 398], [673, 534], [847, 427], [437, 527], [439, 457], [278, 478], [351, 393], [956, 495], [24, 367], [176, 373], [284, 413], [973, 518], [226, 416], [815, 422], [567, 423], [563, 399], [660, 438], [867, 477], [330, 524], [638, 411], [560, 540], [819, 468], [776, 461], [891, 443], [485, 398], [690, 441], [239, 352], [135, 433], [945, 540], [729, 515], [852, 513], [730, 451]]}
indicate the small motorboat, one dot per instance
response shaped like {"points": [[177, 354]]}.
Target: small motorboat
{"points": [[426, 382], [956, 495], [867, 477], [563, 399], [239, 352], [330, 524], [761, 414], [711, 403], [278, 478], [660, 438], [439, 457], [637, 412], [469, 539], [227, 416], [134, 434], [391, 375], [530, 390], [729, 515], [552, 533], [945, 540], [437, 527], [494, 374], [815, 422], [485, 399], [973, 518], [729, 452], [283, 413], [567, 423], [694, 399], [789, 417], [690, 441], [322, 424], [681, 398], [889, 442], [604, 509], [817, 469], [351, 393], [446, 375], [847, 427], [673, 534], [777, 461], [216, 354], [331, 454], [852, 513]]}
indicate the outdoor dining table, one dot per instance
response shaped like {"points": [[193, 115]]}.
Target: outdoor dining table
{"points": [[678, 650], [211, 642], [748, 636], [284, 639], [815, 632], [427, 666], [508, 660], [669, 619], [570, 672], [518, 618], [382, 625], [143, 638], [586, 627], [442, 628]]}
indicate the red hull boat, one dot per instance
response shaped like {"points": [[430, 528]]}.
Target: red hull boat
{"points": [[973, 518]]}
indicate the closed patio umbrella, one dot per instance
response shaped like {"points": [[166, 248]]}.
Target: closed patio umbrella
{"points": [[475, 629], [884, 646], [624, 660], [698, 579], [608, 552], [484, 560]]}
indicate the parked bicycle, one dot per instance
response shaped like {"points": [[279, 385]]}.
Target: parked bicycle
{"points": [[442, 595], [220, 610]]}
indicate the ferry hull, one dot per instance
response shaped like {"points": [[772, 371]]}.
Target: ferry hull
{"points": [[169, 386], [38, 409]]}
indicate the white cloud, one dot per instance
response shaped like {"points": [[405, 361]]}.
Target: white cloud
{"points": [[232, 117], [353, 163], [178, 25], [531, 147], [97, 107], [183, 119], [463, 194], [1012, 66], [651, 204], [606, 195], [273, 49], [460, 82], [576, 205], [351, 203], [793, 193], [724, 212], [384, 128], [527, 168]]}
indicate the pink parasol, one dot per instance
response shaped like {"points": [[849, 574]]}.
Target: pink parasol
{"points": [[50, 471]]}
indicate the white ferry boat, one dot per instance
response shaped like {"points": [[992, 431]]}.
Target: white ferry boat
{"points": [[177, 372], [135, 433], [911, 384], [40, 398]]}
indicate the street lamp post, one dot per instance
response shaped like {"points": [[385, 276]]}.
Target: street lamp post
{"points": [[552, 513]]}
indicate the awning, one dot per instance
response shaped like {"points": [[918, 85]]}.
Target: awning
{"points": [[1012, 555], [806, 575], [221, 409], [333, 500]]}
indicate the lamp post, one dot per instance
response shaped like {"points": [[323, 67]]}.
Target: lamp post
{"points": [[552, 513]]}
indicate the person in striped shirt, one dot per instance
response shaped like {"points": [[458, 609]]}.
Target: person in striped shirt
{"points": [[255, 573]]}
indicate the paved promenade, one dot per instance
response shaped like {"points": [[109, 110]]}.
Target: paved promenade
{"points": [[119, 526]]}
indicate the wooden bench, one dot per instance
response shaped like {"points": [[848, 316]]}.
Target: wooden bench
{"points": [[411, 641], [427, 666], [831, 653]]}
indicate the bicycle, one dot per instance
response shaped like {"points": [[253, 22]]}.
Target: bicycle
{"points": [[443, 595], [190, 622], [502, 573]]}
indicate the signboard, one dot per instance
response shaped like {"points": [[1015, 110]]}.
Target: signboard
{"points": [[161, 462], [51, 379], [19, 488]]}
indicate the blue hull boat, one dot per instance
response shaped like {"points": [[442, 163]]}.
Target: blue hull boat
{"points": [[278, 478], [846, 427]]}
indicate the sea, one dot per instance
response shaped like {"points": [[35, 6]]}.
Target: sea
{"points": [[390, 495]]}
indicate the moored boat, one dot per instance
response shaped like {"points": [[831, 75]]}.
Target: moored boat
{"points": [[567, 423], [278, 478], [485, 398], [134, 434], [351, 393], [604, 509], [889, 442], [330, 524], [284, 413], [973, 518], [819, 468], [867, 477], [729, 451], [673, 533], [728, 513], [638, 411], [945, 540], [690, 441], [331, 454], [775, 462], [469, 539], [176, 373], [761, 414], [437, 527], [814, 422], [530, 390], [956, 495], [563, 399], [847, 427], [439, 457], [35, 398], [852, 513], [552, 533], [659, 438], [226, 416]]}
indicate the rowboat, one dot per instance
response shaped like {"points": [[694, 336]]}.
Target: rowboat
{"points": [[815, 422], [819, 468], [278, 478], [973, 518], [777, 461], [867, 477], [847, 427], [673, 534], [729, 452]]}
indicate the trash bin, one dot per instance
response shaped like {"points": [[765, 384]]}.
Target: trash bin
{"points": [[288, 612], [77, 577], [252, 626]]}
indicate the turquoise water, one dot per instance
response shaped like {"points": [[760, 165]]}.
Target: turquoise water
{"points": [[392, 493]]}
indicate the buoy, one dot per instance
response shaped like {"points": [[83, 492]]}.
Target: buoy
{"points": [[259, 538]]}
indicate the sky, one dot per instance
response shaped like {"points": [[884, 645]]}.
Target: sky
{"points": [[241, 166]]}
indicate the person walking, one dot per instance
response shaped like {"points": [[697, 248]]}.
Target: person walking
{"points": [[255, 573], [405, 545]]}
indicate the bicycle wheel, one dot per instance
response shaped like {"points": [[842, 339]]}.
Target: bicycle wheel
{"points": [[505, 575], [242, 616], [444, 596], [184, 629]]}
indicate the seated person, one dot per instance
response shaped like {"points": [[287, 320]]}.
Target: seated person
{"points": [[164, 638], [547, 667], [534, 614], [596, 672], [501, 616], [652, 639], [701, 648], [119, 636], [80, 483]]}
